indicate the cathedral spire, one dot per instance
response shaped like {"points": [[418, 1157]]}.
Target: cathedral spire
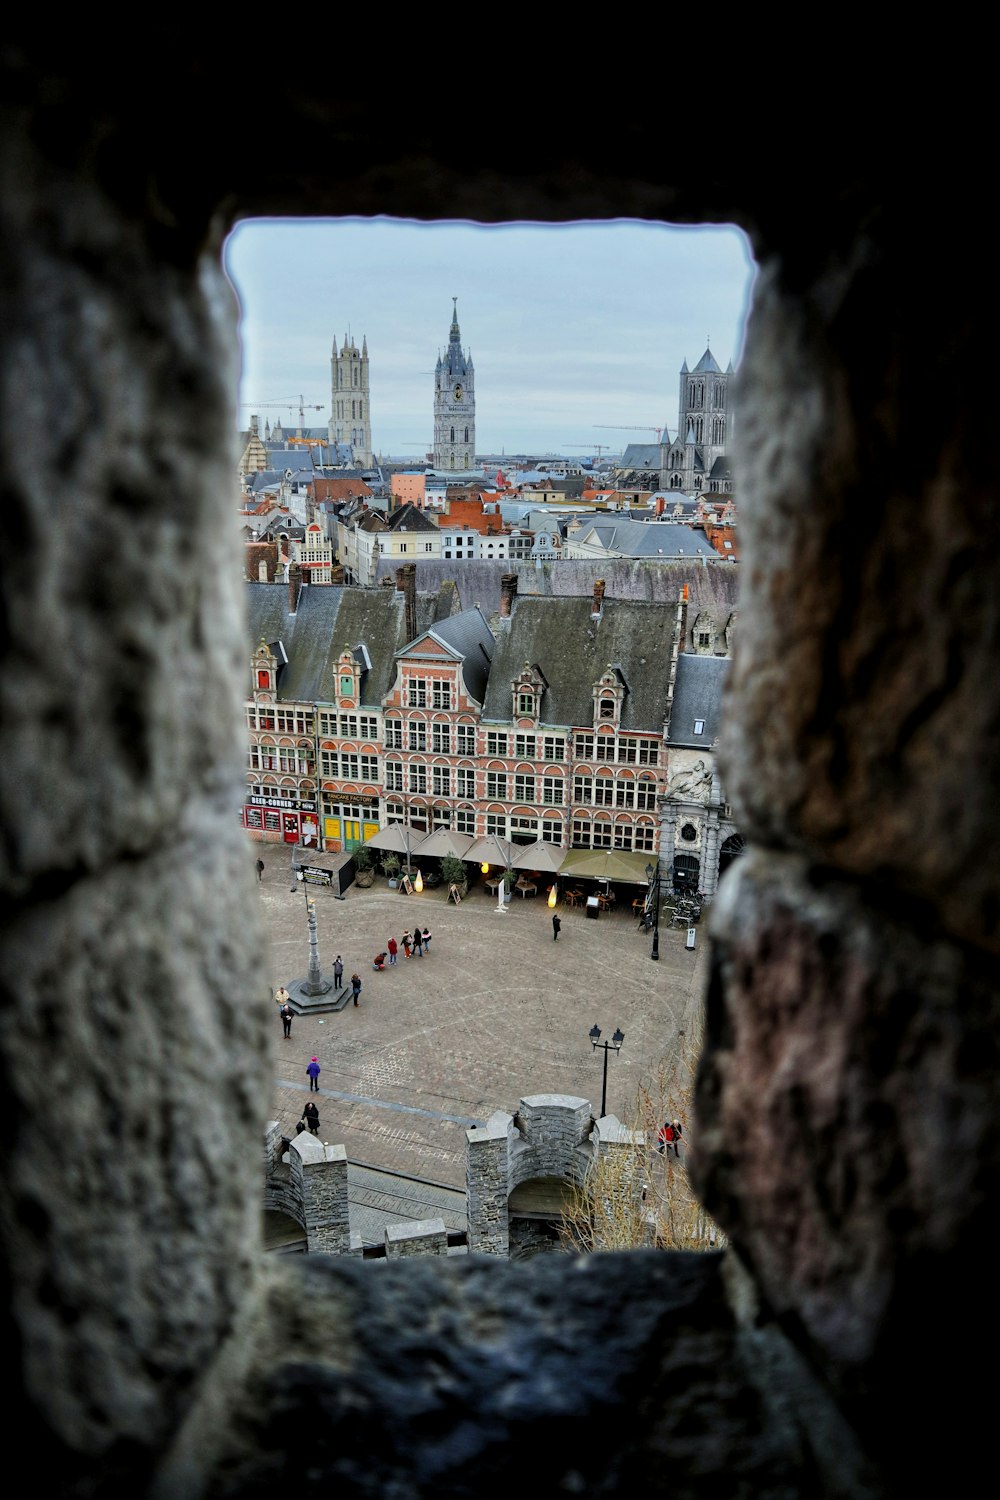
{"points": [[454, 335]]}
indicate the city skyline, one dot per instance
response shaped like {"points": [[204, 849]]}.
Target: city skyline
{"points": [[577, 332]]}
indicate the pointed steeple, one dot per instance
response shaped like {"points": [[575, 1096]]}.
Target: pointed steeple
{"points": [[684, 368], [364, 346], [454, 333], [334, 351]]}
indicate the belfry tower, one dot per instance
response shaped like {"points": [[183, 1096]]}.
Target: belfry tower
{"points": [[454, 403], [350, 405]]}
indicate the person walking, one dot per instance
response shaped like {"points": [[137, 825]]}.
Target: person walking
{"points": [[338, 973], [260, 871], [281, 996], [418, 943], [313, 1069], [311, 1116], [393, 948], [427, 939], [356, 986], [678, 1132], [556, 924], [407, 944], [287, 1014]]}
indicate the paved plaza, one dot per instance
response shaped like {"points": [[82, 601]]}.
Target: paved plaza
{"points": [[495, 1011]]}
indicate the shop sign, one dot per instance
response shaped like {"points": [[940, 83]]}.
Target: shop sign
{"points": [[284, 802]]}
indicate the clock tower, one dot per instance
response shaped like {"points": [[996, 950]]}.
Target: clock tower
{"points": [[454, 404]]}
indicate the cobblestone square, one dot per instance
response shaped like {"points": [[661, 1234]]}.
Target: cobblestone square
{"points": [[495, 1011]]}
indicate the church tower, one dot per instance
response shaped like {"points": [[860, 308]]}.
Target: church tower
{"points": [[697, 460], [350, 404], [454, 404]]}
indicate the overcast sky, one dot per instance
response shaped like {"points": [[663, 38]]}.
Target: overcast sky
{"points": [[572, 329]]}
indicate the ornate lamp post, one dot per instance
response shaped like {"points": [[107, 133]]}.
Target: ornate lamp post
{"points": [[614, 1045], [653, 876]]}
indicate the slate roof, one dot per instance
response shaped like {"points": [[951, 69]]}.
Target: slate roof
{"points": [[707, 365], [328, 621], [409, 518], [646, 538], [697, 696], [573, 651], [712, 582], [641, 456], [470, 635]]}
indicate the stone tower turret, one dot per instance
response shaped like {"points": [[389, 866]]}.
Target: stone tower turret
{"points": [[350, 400]]}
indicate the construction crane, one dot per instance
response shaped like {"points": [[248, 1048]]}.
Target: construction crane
{"points": [[606, 427], [286, 405], [597, 448]]}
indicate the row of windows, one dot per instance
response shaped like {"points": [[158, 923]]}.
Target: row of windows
{"points": [[347, 766], [629, 752], [586, 833], [440, 736], [526, 745], [288, 758], [420, 693], [501, 787], [605, 791], [349, 726], [439, 817], [284, 720], [696, 395]]}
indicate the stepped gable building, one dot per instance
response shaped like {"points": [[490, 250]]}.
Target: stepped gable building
{"points": [[350, 400], [432, 714], [324, 660], [454, 403], [571, 740]]}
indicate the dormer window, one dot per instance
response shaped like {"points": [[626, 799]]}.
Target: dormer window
{"points": [[525, 705], [699, 726], [607, 708], [263, 679]]}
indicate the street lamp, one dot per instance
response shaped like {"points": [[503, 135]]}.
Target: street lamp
{"points": [[613, 1046], [653, 876]]}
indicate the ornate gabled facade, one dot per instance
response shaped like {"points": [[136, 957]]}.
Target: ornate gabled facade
{"points": [[350, 400], [454, 404], [432, 714], [572, 742], [280, 803]]}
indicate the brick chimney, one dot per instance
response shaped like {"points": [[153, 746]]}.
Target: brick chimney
{"points": [[508, 592], [294, 584], [406, 584], [598, 609]]}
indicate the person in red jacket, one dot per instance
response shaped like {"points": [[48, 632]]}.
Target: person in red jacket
{"points": [[393, 948]]}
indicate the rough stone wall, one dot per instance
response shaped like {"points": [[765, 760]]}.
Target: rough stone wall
{"points": [[417, 1237], [554, 1139], [318, 1185], [487, 1185], [852, 1014]]}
